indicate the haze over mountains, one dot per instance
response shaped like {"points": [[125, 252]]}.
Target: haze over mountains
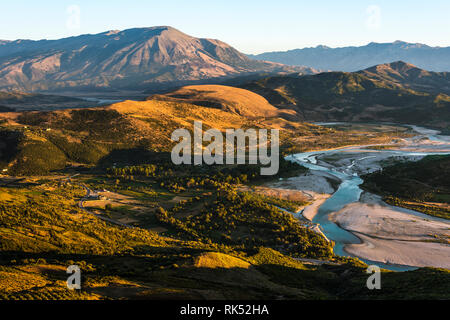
{"points": [[358, 58], [133, 58]]}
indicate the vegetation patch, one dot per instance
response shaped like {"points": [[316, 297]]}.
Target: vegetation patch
{"points": [[423, 185]]}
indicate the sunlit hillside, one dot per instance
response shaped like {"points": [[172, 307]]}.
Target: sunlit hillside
{"points": [[233, 100]]}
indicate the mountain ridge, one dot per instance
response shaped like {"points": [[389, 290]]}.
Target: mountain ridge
{"points": [[396, 92], [133, 58], [409, 75], [354, 58]]}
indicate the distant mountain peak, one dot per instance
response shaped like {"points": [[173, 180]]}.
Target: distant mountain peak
{"points": [[390, 92], [112, 32], [407, 75], [400, 65], [353, 58]]}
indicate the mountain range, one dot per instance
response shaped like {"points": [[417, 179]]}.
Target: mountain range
{"points": [[163, 59], [393, 92], [358, 58], [133, 58]]}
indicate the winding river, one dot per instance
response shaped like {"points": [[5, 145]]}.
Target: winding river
{"points": [[349, 191]]}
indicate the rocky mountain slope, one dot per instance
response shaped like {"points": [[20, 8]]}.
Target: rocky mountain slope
{"points": [[134, 58]]}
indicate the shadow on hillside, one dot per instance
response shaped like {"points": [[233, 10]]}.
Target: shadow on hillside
{"points": [[164, 276], [132, 157], [167, 275]]}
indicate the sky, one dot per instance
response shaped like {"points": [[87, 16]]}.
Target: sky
{"points": [[248, 25]]}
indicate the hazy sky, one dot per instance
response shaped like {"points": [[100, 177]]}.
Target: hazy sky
{"points": [[249, 25]]}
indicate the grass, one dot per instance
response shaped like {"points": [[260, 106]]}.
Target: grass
{"points": [[214, 260]]}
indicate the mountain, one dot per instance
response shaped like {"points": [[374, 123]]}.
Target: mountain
{"points": [[133, 58], [396, 92], [358, 58], [407, 75]]}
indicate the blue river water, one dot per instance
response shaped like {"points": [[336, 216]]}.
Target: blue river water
{"points": [[350, 192]]}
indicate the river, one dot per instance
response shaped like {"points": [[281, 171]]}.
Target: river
{"points": [[348, 164]]}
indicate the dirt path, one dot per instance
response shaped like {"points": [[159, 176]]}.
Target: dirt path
{"points": [[81, 205]]}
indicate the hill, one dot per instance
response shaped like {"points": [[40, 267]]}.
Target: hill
{"points": [[396, 92], [43, 231], [230, 99], [39, 142], [131, 132], [421, 186], [134, 58], [409, 76], [358, 58]]}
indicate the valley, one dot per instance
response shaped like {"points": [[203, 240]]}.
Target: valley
{"points": [[89, 176], [172, 229], [362, 224]]}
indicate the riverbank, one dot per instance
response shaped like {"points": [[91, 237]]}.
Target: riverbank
{"points": [[316, 186], [365, 226], [391, 236]]}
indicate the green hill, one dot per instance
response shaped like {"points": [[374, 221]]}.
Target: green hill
{"points": [[422, 186], [395, 92]]}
